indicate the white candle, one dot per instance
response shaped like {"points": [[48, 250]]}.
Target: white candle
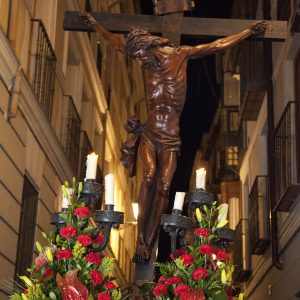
{"points": [[109, 189], [65, 200], [91, 166], [200, 178], [179, 200], [223, 211]]}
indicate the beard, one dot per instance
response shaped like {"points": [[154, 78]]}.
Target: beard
{"points": [[151, 63]]}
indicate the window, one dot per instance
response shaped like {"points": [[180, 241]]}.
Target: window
{"points": [[232, 156], [27, 227], [233, 121]]}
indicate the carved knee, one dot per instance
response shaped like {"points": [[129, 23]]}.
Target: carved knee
{"points": [[165, 187], [149, 176]]}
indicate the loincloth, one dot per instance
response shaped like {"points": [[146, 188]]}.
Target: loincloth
{"points": [[154, 137]]}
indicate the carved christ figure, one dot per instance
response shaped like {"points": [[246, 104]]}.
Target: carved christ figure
{"points": [[158, 139]]}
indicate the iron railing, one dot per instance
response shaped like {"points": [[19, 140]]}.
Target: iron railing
{"points": [[285, 151], [85, 149], [259, 229], [26, 228], [242, 140], [241, 255], [43, 72], [70, 139]]}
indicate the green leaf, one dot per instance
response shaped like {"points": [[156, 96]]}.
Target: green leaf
{"points": [[52, 296], [44, 234], [107, 265], [57, 238], [88, 229], [39, 246], [116, 294]]}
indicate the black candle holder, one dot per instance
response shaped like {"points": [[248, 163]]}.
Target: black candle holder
{"points": [[91, 193], [199, 198], [107, 219], [57, 221], [176, 225], [226, 236]]}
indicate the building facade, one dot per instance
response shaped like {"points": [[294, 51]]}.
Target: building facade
{"points": [[62, 95], [261, 103]]}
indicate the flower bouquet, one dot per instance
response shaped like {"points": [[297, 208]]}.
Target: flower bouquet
{"points": [[202, 270], [67, 267]]}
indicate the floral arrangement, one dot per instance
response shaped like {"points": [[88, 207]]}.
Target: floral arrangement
{"points": [[67, 267], [202, 270]]}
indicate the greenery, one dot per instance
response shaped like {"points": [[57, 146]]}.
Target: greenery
{"points": [[202, 268], [67, 267]]}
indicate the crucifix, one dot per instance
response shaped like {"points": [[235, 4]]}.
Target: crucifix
{"points": [[158, 139]]}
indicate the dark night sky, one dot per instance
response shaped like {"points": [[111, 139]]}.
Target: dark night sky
{"points": [[199, 107]]}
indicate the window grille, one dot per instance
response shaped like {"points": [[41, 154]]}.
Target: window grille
{"points": [[26, 228]]}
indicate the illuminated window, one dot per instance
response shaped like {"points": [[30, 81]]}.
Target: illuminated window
{"points": [[232, 156]]}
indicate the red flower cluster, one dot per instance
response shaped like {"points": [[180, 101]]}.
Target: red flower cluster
{"points": [[68, 232], [206, 249], [96, 277], [161, 279], [64, 254], [48, 275], [99, 239], [202, 232], [200, 273], [103, 296], [82, 212], [173, 280], [160, 290], [109, 285], [221, 255], [187, 259], [181, 290], [93, 258], [84, 239]]}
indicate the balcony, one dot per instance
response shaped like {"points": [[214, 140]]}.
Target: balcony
{"points": [[253, 82], [241, 255], [286, 161], [259, 230], [42, 67], [70, 138]]}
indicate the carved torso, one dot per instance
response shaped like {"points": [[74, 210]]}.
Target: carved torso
{"points": [[166, 90]]}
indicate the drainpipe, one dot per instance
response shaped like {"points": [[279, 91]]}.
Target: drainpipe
{"points": [[271, 157]]}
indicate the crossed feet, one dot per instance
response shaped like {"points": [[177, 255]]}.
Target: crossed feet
{"points": [[142, 252]]}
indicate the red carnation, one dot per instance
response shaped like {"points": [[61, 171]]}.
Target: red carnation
{"points": [[202, 232], [82, 212], [84, 239], [48, 275], [109, 285], [173, 280], [67, 232], [93, 258], [200, 273], [64, 254], [221, 255], [187, 259], [181, 290], [160, 290], [103, 296], [161, 279], [178, 252], [99, 239], [206, 249], [96, 277]]}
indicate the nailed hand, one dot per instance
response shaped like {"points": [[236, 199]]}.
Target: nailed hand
{"points": [[259, 27]]}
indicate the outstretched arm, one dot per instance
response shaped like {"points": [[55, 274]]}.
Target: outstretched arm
{"points": [[224, 43], [113, 40]]}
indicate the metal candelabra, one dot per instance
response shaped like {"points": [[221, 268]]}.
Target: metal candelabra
{"points": [[106, 219]]}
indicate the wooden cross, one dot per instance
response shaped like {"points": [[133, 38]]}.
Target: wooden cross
{"points": [[186, 26]]}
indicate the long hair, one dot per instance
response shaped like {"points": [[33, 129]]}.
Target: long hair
{"points": [[142, 39]]}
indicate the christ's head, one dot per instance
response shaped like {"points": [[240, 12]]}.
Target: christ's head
{"points": [[139, 44]]}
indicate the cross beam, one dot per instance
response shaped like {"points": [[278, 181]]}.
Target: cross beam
{"points": [[197, 27]]}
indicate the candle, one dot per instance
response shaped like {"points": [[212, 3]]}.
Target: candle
{"points": [[223, 211], [65, 200], [179, 200], [91, 166], [109, 189], [200, 178]]}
